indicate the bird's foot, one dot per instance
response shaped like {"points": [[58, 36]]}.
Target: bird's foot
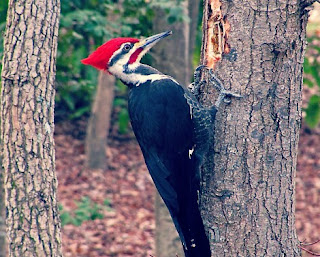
{"points": [[194, 87], [225, 95]]}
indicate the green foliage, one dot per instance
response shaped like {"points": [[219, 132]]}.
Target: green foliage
{"points": [[86, 210], [312, 65], [75, 98], [83, 26], [313, 111], [311, 68], [123, 121], [123, 115], [174, 10], [3, 15]]}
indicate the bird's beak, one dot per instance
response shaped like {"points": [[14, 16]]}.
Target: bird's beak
{"points": [[149, 42]]}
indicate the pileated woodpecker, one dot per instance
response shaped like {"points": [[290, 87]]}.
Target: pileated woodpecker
{"points": [[172, 128]]}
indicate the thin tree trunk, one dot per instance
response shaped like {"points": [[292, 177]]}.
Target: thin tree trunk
{"points": [[99, 122], [256, 137], [172, 58], [27, 113], [2, 215]]}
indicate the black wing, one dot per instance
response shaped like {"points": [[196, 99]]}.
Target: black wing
{"points": [[166, 127], [161, 120]]}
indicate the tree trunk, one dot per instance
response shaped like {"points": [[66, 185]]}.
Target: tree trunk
{"points": [[256, 137], [3, 246], [27, 114], [99, 122], [167, 239]]}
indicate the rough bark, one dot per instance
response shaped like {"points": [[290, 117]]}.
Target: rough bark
{"points": [[256, 138], [171, 56], [27, 113], [99, 122], [2, 215]]}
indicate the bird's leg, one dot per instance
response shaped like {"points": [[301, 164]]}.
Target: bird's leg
{"points": [[197, 83], [225, 95]]}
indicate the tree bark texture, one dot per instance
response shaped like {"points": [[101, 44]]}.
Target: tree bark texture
{"points": [[3, 246], [171, 56], [27, 115], [99, 122], [256, 137]]}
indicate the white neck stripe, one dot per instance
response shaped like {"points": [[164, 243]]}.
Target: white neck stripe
{"points": [[140, 79]]}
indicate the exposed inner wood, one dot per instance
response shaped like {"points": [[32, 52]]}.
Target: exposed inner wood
{"points": [[216, 35]]}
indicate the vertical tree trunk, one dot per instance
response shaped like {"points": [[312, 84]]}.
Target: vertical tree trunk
{"points": [[99, 122], [27, 113], [2, 215], [256, 137], [172, 58]]}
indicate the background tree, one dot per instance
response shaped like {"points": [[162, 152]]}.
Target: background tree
{"points": [[27, 102], [181, 45], [99, 122], [2, 216], [3, 12], [262, 48]]}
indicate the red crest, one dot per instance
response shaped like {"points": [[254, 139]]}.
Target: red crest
{"points": [[101, 56]]}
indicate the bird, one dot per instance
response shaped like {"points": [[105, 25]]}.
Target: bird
{"points": [[173, 130]]}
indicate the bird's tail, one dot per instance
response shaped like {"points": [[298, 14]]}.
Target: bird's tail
{"points": [[191, 230]]}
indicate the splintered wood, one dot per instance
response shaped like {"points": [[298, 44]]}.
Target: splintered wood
{"points": [[216, 31]]}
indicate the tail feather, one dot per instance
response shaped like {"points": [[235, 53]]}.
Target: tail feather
{"points": [[188, 220], [192, 234]]}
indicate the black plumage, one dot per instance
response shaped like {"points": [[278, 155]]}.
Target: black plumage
{"points": [[173, 131]]}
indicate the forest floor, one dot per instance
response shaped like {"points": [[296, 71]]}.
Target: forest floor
{"points": [[127, 226]]}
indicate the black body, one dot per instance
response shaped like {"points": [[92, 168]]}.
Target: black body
{"points": [[173, 131]]}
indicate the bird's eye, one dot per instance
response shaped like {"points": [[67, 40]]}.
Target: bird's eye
{"points": [[127, 47]]}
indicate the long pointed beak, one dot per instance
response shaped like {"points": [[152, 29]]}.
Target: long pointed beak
{"points": [[151, 41]]}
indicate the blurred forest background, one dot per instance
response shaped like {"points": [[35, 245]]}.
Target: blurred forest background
{"points": [[109, 211]]}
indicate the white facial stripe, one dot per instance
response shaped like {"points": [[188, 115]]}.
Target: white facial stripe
{"points": [[138, 79], [125, 58], [118, 68], [116, 53]]}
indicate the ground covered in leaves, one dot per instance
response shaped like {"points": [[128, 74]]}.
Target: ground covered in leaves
{"points": [[109, 212]]}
